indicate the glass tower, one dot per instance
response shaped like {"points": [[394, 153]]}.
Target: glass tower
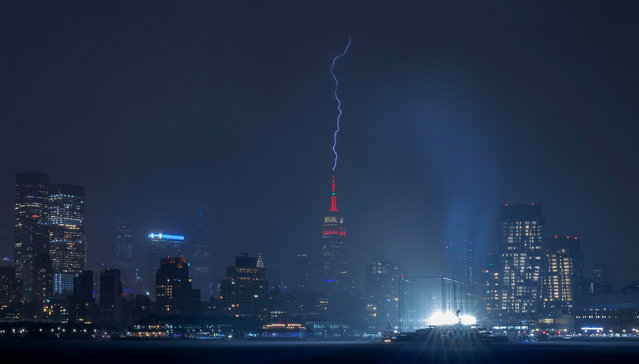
{"points": [[201, 256], [32, 259], [124, 258], [162, 246], [66, 235], [521, 231]]}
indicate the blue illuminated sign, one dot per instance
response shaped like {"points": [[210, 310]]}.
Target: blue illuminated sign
{"points": [[165, 236]]}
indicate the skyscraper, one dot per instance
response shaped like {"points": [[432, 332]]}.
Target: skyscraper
{"points": [[334, 270], [173, 290], [521, 231], [124, 255], [66, 234], [10, 290], [562, 274], [490, 289], [382, 283], [201, 256], [458, 260], [32, 259], [110, 297], [244, 290], [163, 246], [82, 307], [303, 281]]}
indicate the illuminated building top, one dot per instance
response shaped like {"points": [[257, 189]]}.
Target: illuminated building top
{"points": [[165, 236]]}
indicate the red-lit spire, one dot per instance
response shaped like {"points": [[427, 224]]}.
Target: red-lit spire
{"points": [[333, 198]]}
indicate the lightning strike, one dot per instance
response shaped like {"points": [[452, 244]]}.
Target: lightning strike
{"points": [[339, 102]]}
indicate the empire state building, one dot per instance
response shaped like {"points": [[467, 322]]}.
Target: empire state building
{"points": [[335, 276]]}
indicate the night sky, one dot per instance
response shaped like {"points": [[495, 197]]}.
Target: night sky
{"points": [[450, 111]]}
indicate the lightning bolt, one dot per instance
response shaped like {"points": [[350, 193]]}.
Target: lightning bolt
{"points": [[339, 102]]}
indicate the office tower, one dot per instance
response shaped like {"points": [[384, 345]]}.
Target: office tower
{"points": [[124, 254], [453, 267], [562, 273], [382, 282], [110, 297], [468, 263], [201, 256], [521, 231], [173, 290], [458, 260], [66, 235], [10, 289], [303, 280], [32, 259], [163, 246], [244, 291], [82, 307], [600, 282], [489, 289], [334, 271]]}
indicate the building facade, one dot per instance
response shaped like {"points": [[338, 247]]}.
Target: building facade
{"points": [[244, 291], [10, 292], [173, 290], [201, 257], [382, 282], [66, 235], [303, 280], [562, 274], [124, 245], [110, 297], [31, 241], [490, 291], [521, 232], [163, 246], [82, 306], [335, 277]]}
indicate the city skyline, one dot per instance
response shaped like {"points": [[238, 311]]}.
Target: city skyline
{"points": [[456, 175], [444, 120]]}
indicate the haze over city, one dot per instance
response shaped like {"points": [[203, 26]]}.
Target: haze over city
{"points": [[457, 124], [447, 116]]}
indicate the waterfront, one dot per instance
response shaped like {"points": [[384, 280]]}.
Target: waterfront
{"points": [[205, 351]]}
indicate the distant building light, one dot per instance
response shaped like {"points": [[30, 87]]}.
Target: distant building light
{"points": [[165, 236]]}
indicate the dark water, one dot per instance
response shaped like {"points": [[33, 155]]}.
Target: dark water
{"points": [[55, 351]]}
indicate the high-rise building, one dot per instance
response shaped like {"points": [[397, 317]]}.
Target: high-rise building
{"points": [[335, 277], [201, 256], [458, 260], [32, 259], [82, 307], [66, 235], [600, 282], [10, 290], [469, 273], [489, 289], [244, 291], [173, 290], [303, 281], [110, 297], [521, 231], [124, 255], [561, 274], [382, 283], [163, 246]]}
